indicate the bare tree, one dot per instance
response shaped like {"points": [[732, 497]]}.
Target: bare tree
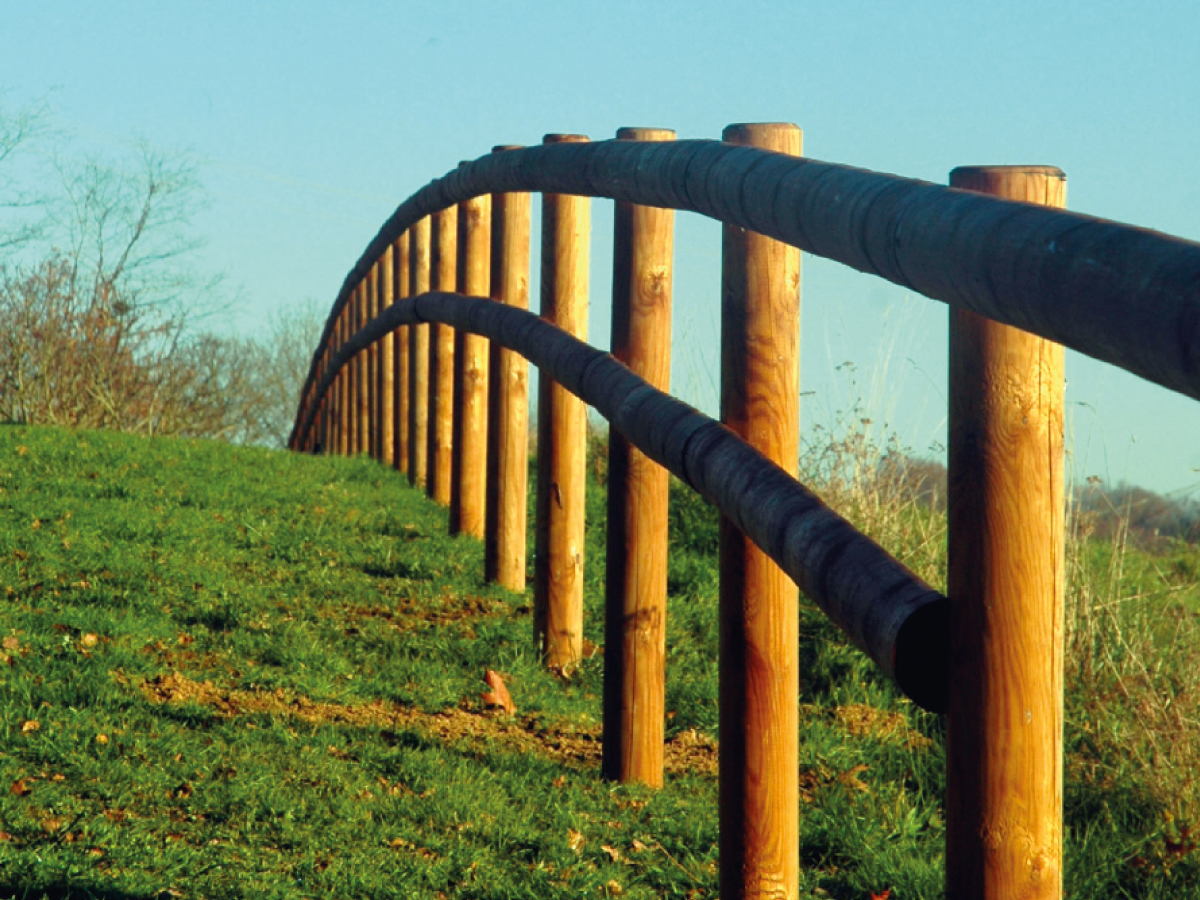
{"points": [[100, 307], [93, 312], [19, 209]]}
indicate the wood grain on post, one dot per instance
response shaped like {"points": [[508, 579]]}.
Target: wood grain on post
{"points": [[1005, 575], [329, 406], [370, 359], [358, 379], [562, 435], [419, 260], [384, 375], [307, 443], [468, 492], [322, 426], [333, 397], [441, 360], [364, 369], [343, 389], [508, 402], [635, 650], [351, 400], [759, 669], [375, 361], [388, 437], [401, 365]]}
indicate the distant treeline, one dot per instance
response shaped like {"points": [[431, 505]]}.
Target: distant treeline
{"points": [[1102, 510]]}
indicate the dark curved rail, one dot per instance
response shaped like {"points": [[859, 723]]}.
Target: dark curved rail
{"points": [[897, 619], [1124, 295]]}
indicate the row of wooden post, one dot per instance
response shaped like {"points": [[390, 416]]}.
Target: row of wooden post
{"points": [[451, 413]]}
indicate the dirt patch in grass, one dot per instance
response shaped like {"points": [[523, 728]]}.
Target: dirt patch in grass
{"points": [[418, 614], [862, 720], [570, 744]]}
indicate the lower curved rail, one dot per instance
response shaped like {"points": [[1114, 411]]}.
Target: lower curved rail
{"points": [[897, 619]]}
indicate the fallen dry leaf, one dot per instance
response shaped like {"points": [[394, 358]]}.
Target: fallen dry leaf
{"points": [[613, 852], [21, 788], [498, 695], [89, 640], [12, 642], [575, 840], [614, 888], [31, 725]]}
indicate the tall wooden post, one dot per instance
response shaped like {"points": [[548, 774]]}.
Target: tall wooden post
{"points": [[363, 374], [352, 326], [508, 400], [441, 360], [635, 650], [419, 260], [323, 418], [351, 369], [398, 410], [562, 435], [759, 669], [385, 352], [329, 406], [1005, 509], [370, 381], [388, 384], [469, 457], [343, 382]]}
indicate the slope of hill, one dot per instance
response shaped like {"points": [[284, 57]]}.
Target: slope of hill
{"points": [[232, 672]]}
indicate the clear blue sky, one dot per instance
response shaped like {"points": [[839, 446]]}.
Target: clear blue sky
{"points": [[314, 120]]}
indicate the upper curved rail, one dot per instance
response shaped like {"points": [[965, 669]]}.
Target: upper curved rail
{"points": [[897, 619], [1124, 295]]}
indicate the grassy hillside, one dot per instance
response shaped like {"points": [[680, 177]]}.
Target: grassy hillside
{"points": [[230, 672]]}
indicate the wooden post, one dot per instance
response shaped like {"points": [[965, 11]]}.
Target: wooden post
{"points": [[358, 365], [351, 401], [508, 401], [635, 650], [329, 407], [402, 341], [441, 360], [759, 669], [383, 351], [385, 288], [562, 435], [322, 422], [1006, 563], [363, 373], [469, 455], [370, 367], [418, 361], [389, 395], [343, 422]]}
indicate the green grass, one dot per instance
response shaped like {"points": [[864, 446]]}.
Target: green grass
{"points": [[232, 672]]}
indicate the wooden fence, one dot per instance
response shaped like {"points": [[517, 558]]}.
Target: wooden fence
{"points": [[422, 364]]}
